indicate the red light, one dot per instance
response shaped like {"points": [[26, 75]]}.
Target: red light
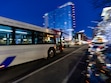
{"points": [[100, 47]]}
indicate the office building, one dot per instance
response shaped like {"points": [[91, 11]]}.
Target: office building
{"points": [[62, 18]]}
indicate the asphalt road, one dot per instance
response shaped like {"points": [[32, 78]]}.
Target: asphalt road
{"points": [[56, 70]]}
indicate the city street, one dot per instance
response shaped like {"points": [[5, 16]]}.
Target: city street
{"points": [[58, 69], [67, 41]]}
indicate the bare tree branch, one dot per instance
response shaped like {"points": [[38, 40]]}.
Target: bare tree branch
{"points": [[100, 3]]}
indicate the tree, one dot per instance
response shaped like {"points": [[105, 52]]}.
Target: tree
{"points": [[100, 3], [104, 26]]}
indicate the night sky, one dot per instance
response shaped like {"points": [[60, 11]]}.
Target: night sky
{"points": [[32, 11]]}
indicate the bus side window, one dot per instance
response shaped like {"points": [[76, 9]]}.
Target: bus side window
{"points": [[23, 36], [35, 37], [5, 35], [48, 38], [40, 37]]}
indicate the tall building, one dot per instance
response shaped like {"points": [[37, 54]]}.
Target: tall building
{"points": [[62, 18]]}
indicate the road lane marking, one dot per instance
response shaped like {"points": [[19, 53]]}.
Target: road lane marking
{"points": [[72, 71], [32, 73]]}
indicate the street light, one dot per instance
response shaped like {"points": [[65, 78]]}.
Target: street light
{"points": [[93, 30]]}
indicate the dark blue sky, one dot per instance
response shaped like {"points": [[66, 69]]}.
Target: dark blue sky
{"points": [[32, 11]]}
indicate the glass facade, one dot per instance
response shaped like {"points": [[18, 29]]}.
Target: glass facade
{"points": [[61, 19]]}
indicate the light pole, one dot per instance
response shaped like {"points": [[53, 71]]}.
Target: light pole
{"points": [[61, 48], [93, 30], [60, 43]]}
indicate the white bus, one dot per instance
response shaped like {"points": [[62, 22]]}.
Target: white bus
{"points": [[22, 42]]}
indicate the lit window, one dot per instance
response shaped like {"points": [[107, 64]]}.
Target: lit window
{"points": [[23, 36], [5, 35]]}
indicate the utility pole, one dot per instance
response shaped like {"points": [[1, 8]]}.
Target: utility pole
{"points": [[93, 30], [61, 40]]}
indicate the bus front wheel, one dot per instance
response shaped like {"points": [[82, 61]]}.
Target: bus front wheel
{"points": [[51, 52]]}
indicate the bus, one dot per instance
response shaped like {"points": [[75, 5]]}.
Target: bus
{"points": [[22, 42]]}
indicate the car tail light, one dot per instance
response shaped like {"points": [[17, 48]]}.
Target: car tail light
{"points": [[100, 47]]}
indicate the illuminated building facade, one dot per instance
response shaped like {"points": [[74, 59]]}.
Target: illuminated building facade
{"points": [[62, 18]]}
